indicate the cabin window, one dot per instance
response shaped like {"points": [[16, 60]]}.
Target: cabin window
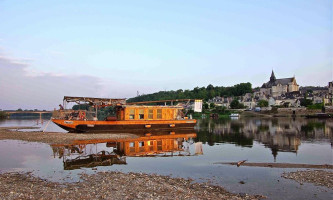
{"points": [[132, 147], [141, 114], [131, 113], [150, 145], [150, 114], [141, 144], [159, 113], [131, 144], [159, 145]]}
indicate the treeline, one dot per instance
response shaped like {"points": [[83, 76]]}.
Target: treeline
{"points": [[197, 93], [3, 115]]}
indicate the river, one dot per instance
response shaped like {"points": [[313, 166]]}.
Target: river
{"points": [[195, 154]]}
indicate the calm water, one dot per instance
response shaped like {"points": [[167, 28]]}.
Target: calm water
{"points": [[190, 154]]}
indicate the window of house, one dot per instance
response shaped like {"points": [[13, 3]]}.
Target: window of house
{"points": [[131, 113], [150, 114], [159, 113], [141, 114]]}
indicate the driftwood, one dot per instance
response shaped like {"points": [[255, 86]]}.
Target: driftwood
{"points": [[241, 162]]}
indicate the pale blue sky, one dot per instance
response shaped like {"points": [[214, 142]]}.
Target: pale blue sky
{"points": [[148, 46]]}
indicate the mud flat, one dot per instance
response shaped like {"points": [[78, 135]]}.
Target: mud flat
{"points": [[111, 185], [13, 133], [317, 177]]}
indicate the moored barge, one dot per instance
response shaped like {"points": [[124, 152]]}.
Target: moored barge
{"points": [[127, 117]]}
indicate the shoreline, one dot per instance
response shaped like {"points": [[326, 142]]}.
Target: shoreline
{"points": [[56, 137], [112, 185]]}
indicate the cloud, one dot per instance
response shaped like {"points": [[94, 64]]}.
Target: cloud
{"points": [[20, 87]]}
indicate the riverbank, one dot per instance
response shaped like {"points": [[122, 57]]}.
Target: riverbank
{"points": [[317, 177], [112, 185], [14, 133]]}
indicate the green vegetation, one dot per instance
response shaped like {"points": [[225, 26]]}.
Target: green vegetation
{"points": [[236, 105], [311, 126], [263, 103], [3, 115], [315, 106], [197, 93], [306, 102], [221, 111]]}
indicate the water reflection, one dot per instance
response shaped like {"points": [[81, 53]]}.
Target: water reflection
{"points": [[278, 134], [107, 152]]}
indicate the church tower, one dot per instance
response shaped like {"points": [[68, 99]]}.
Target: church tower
{"points": [[272, 79]]}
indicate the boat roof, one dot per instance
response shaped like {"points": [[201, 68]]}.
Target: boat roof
{"points": [[155, 106], [96, 101], [164, 101]]}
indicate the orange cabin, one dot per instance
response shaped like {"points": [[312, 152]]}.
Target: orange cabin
{"points": [[129, 112]]}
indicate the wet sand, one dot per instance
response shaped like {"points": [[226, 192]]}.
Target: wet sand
{"points": [[13, 133], [317, 177], [111, 185]]}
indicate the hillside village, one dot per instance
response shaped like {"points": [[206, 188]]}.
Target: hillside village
{"points": [[283, 93]]}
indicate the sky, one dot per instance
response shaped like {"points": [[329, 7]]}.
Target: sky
{"points": [[51, 49]]}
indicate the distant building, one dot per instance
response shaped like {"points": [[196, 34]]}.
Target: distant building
{"points": [[330, 87], [276, 87]]}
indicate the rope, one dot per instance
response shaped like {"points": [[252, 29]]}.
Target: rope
{"points": [[46, 126]]}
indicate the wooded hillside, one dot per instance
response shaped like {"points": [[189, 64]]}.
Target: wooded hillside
{"points": [[197, 93]]}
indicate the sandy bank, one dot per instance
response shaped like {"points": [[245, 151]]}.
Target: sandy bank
{"points": [[317, 177], [111, 185], [55, 138]]}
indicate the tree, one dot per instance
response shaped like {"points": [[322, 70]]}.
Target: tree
{"points": [[306, 102], [205, 105], [196, 93], [3, 115], [263, 103], [212, 105], [20, 109], [220, 109], [236, 105]]}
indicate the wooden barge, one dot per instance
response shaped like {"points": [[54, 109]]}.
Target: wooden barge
{"points": [[127, 118]]}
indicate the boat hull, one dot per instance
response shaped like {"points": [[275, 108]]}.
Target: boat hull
{"points": [[77, 126]]}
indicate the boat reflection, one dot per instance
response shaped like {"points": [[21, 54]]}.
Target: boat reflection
{"points": [[107, 152]]}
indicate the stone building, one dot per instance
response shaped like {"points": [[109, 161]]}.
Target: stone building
{"points": [[276, 87], [330, 87]]}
